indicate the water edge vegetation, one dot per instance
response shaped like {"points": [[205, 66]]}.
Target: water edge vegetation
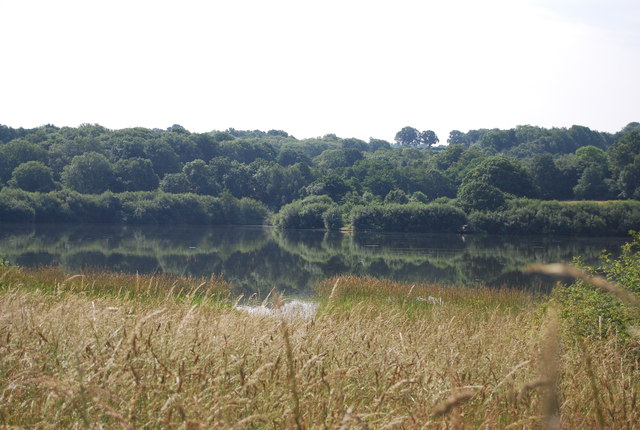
{"points": [[103, 349]]}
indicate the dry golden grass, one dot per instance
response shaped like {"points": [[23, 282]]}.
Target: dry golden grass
{"points": [[81, 359]]}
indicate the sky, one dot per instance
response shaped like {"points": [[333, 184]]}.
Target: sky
{"points": [[349, 67]]}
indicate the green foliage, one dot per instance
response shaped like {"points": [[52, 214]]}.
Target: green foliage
{"points": [[623, 152], [410, 136], [523, 216], [308, 213], [33, 176], [135, 174], [131, 207], [17, 152], [396, 196], [201, 178], [335, 158], [407, 136], [592, 185], [175, 183], [419, 197], [332, 185], [479, 196], [592, 155], [505, 174], [412, 217], [332, 218], [480, 167], [589, 311], [13, 208], [90, 173], [290, 155], [547, 178], [629, 180]]}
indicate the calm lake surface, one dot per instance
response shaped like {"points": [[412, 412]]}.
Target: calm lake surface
{"points": [[257, 259]]}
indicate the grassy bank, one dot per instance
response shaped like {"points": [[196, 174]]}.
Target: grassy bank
{"points": [[114, 350]]}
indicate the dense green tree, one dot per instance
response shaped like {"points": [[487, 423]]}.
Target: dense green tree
{"points": [[33, 176], [279, 133], [331, 185], [207, 144], [592, 155], [456, 137], [375, 144], [396, 196], [499, 140], [629, 180], [335, 158], [466, 161], [528, 133], [480, 196], [354, 143], [419, 197], [135, 174], [130, 143], [7, 134], [89, 173], [506, 174], [16, 152], [239, 180], [246, 151], [178, 129], [623, 152], [201, 178], [277, 169], [547, 178], [163, 157], [592, 185], [408, 136], [432, 182], [583, 136], [450, 155], [183, 145], [375, 174], [276, 185], [428, 138], [290, 155], [175, 183]]}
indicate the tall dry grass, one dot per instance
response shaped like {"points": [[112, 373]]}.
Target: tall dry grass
{"points": [[97, 360]]}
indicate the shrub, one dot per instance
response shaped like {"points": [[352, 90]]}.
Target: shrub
{"points": [[588, 311], [524, 216], [332, 218], [304, 214], [412, 217]]}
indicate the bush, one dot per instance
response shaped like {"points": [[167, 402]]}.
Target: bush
{"points": [[305, 214], [13, 210], [131, 207], [412, 217], [332, 218], [480, 196], [523, 216], [590, 312], [33, 176]]}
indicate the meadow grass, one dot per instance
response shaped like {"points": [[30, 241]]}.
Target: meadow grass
{"points": [[114, 350]]}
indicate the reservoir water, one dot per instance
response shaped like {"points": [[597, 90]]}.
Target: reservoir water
{"points": [[257, 259]]}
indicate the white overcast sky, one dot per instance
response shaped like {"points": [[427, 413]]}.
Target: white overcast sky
{"points": [[350, 67]]}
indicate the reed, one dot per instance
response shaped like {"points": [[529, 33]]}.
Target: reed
{"points": [[75, 354]]}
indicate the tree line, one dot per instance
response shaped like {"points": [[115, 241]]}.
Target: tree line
{"points": [[337, 179]]}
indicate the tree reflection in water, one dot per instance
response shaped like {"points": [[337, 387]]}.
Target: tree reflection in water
{"points": [[258, 259]]}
